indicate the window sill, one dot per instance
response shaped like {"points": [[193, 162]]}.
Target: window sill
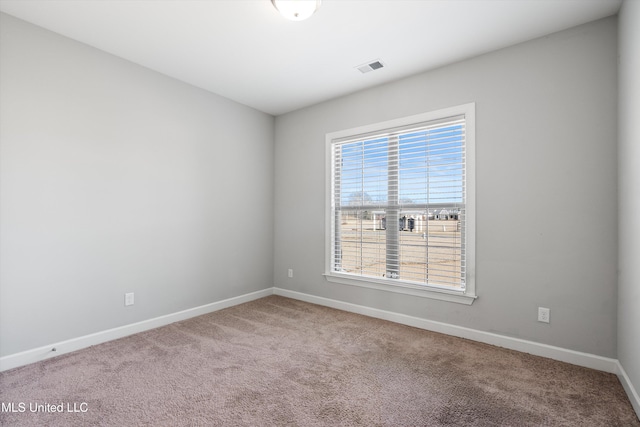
{"points": [[459, 297]]}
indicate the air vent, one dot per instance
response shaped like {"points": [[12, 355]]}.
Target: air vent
{"points": [[371, 66]]}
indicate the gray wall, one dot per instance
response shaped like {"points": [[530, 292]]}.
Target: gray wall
{"points": [[546, 187], [118, 179], [629, 192]]}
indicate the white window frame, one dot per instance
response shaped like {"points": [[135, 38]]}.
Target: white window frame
{"points": [[466, 296]]}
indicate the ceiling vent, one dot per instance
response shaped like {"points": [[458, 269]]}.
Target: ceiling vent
{"points": [[371, 66]]}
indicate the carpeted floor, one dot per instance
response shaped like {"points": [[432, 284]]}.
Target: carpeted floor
{"points": [[277, 361]]}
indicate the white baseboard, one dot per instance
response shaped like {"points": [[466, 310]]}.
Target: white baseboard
{"points": [[557, 353], [63, 347], [634, 397]]}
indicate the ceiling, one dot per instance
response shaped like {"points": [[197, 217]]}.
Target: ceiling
{"points": [[244, 50]]}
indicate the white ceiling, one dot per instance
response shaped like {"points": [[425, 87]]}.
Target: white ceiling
{"points": [[244, 50]]}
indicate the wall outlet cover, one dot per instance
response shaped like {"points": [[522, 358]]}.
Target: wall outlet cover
{"points": [[543, 314], [128, 299]]}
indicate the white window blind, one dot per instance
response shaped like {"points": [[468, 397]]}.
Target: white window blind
{"points": [[398, 202]]}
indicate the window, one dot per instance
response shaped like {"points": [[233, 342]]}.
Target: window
{"points": [[400, 205]]}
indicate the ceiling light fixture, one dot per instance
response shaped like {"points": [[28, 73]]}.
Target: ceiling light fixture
{"points": [[296, 10]]}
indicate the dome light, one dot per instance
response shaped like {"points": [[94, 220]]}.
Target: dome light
{"points": [[296, 10]]}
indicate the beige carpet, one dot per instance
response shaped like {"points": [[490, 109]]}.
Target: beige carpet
{"points": [[278, 361]]}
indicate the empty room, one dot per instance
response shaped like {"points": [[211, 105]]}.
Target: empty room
{"points": [[320, 213]]}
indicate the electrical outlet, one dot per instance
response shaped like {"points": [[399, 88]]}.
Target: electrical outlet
{"points": [[290, 273], [128, 299], [543, 314]]}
